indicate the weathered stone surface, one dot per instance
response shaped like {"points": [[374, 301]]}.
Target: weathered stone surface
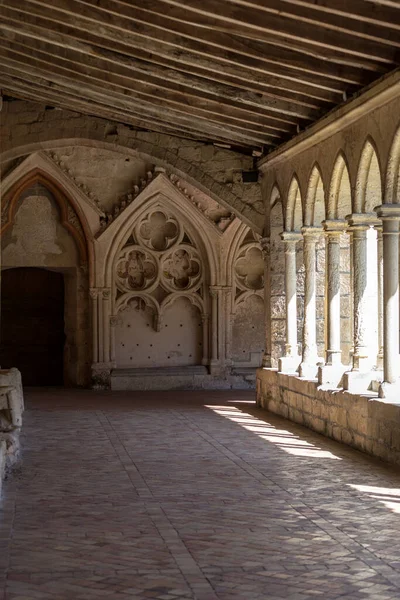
{"points": [[357, 420]]}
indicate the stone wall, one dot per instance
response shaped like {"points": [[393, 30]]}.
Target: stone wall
{"points": [[28, 127], [361, 421]]}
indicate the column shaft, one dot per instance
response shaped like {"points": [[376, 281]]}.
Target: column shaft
{"points": [[391, 300], [266, 250], [290, 240], [333, 351], [310, 355], [95, 325], [379, 360], [360, 356]]}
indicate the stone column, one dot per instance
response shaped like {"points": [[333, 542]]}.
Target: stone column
{"points": [[379, 358], [214, 362], [359, 378], [106, 324], [333, 369], [290, 362], [206, 324], [266, 250], [390, 216], [228, 325], [94, 292], [309, 366], [113, 323]]}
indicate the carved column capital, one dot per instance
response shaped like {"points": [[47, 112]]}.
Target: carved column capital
{"points": [[361, 222], [113, 320], [106, 292], [94, 292], [311, 233], [334, 227], [265, 243]]}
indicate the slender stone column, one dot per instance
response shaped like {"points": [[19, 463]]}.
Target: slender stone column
{"points": [[113, 324], [379, 358], [266, 250], [333, 369], [214, 363], [228, 325], [94, 292], [309, 367], [106, 324], [390, 216], [206, 324], [290, 362], [359, 378]]}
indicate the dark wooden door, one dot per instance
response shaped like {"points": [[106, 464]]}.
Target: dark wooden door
{"points": [[32, 324]]}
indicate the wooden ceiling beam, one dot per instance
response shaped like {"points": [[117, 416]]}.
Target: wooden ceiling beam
{"points": [[278, 28], [37, 28], [118, 23], [131, 89], [33, 76], [68, 101], [168, 79]]}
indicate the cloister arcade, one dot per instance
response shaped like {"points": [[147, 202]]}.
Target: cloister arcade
{"points": [[332, 333]]}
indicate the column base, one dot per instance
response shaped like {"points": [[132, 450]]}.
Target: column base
{"points": [[310, 370], [289, 364], [101, 375], [361, 382], [266, 361], [390, 391], [215, 368], [331, 375]]}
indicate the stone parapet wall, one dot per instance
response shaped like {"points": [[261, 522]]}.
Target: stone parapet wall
{"points": [[361, 421]]}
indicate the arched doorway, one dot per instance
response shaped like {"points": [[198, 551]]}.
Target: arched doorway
{"points": [[32, 324]]}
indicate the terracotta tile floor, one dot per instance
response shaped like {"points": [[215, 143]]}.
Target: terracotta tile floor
{"points": [[191, 495]]}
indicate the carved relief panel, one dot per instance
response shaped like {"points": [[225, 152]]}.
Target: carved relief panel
{"points": [[159, 291], [248, 305]]}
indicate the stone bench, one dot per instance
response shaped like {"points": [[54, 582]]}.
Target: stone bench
{"points": [[10, 408]]}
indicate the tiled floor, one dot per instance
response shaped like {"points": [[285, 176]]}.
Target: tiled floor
{"points": [[181, 495]]}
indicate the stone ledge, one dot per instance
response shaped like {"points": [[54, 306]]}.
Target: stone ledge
{"points": [[362, 421]]}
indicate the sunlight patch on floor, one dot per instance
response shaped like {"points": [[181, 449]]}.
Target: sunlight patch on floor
{"points": [[289, 442], [390, 497]]}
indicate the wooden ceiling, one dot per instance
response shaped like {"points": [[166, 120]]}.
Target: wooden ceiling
{"points": [[247, 73]]}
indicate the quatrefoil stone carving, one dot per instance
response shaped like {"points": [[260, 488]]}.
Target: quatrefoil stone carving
{"points": [[136, 270], [158, 231], [250, 269]]}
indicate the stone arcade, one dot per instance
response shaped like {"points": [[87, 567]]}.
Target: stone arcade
{"points": [[177, 176]]}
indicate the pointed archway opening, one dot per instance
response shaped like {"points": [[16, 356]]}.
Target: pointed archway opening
{"points": [[32, 324]]}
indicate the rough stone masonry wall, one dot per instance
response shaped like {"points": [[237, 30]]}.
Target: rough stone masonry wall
{"points": [[365, 423], [32, 126]]}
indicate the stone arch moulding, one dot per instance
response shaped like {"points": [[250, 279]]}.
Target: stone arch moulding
{"points": [[368, 154], [315, 205], [142, 149], [236, 241], [293, 208], [392, 184], [70, 215], [163, 194], [339, 203]]}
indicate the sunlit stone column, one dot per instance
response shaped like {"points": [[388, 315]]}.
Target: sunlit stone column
{"points": [[359, 378], [308, 366], [332, 371], [290, 362], [390, 216], [379, 358], [266, 250]]}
